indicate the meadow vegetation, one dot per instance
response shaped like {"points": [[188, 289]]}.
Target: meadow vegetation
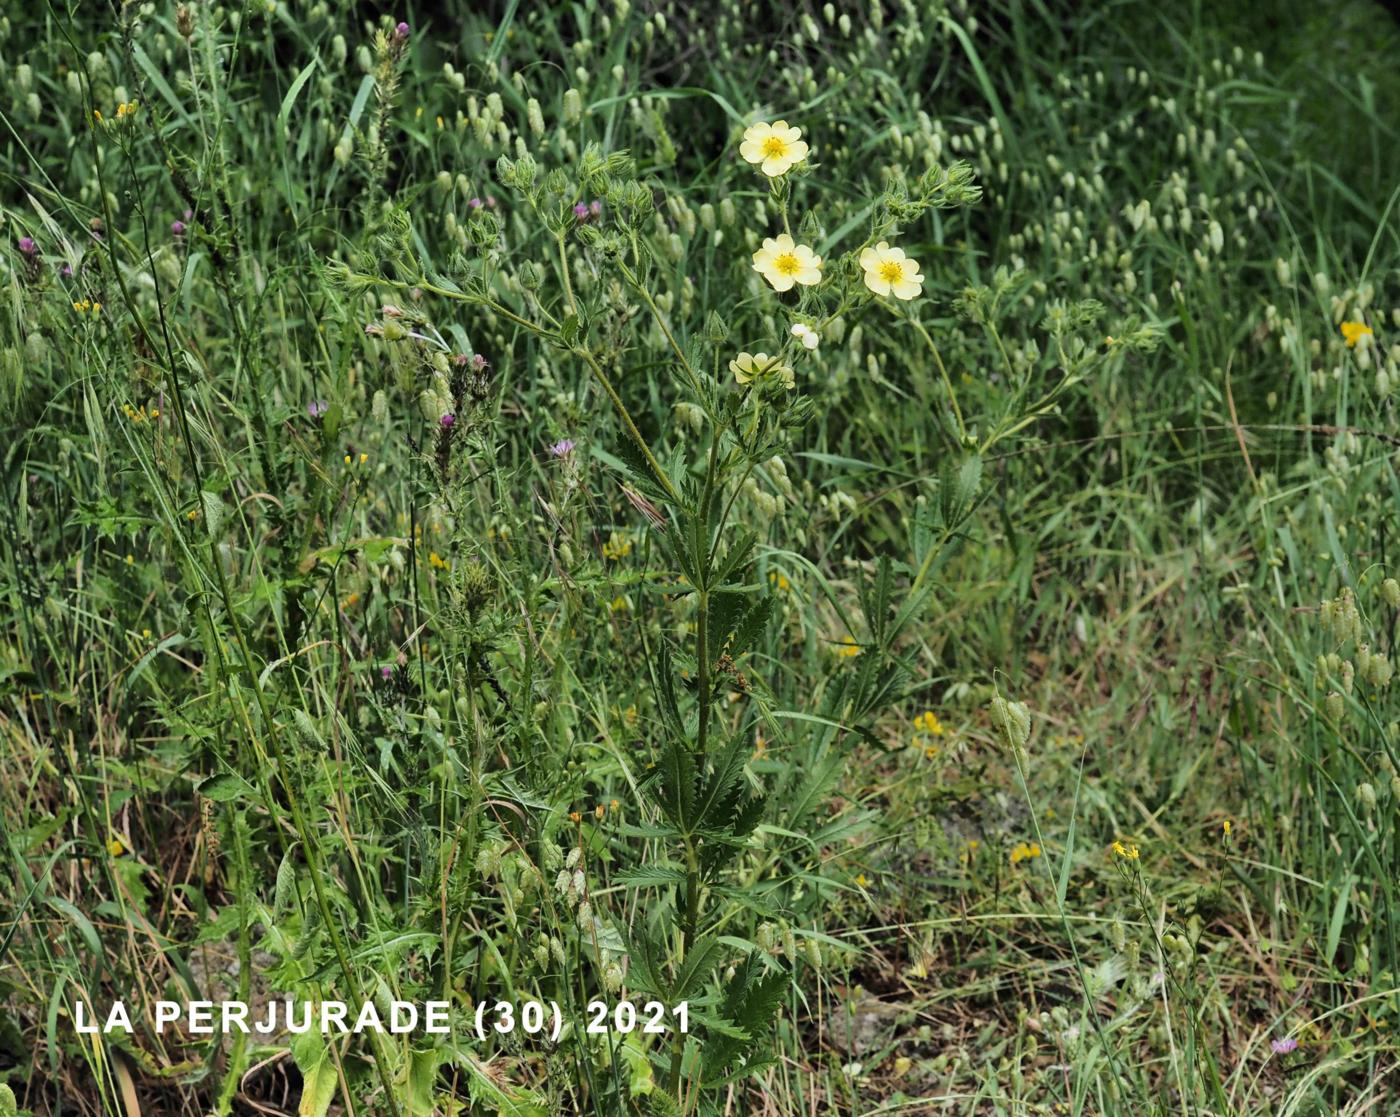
{"points": [[869, 520]]}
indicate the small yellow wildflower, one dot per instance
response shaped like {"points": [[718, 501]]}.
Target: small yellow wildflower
{"points": [[774, 148], [930, 751], [436, 561], [1024, 851], [599, 811], [848, 648], [192, 514], [889, 271], [784, 262], [347, 459], [1127, 852], [575, 816], [620, 604], [779, 580], [115, 846], [617, 547], [1225, 828], [861, 882], [364, 458], [749, 366], [928, 722], [97, 115], [1354, 332]]}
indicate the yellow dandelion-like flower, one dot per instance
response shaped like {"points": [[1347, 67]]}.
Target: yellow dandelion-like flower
{"points": [[1127, 852], [888, 271], [1354, 332], [437, 561], [750, 366], [930, 752], [928, 722], [774, 148], [1226, 828], [861, 882], [784, 262], [115, 846], [848, 648]]}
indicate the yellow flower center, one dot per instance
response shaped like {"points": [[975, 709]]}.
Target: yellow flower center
{"points": [[891, 271], [774, 147], [787, 263]]}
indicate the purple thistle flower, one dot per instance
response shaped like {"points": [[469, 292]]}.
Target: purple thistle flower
{"points": [[478, 362], [476, 203], [66, 271], [317, 407], [581, 211], [447, 420], [1284, 1046], [562, 449], [177, 228], [386, 672], [402, 30], [27, 246]]}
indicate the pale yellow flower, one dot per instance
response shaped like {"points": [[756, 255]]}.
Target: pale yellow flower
{"points": [[775, 148], [889, 272], [783, 263], [748, 366]]}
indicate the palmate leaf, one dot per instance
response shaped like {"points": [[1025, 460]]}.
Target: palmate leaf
{"points": [[714, 809], [751, 1003], [703, 955]]}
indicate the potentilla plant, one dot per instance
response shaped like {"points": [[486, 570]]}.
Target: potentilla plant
{"points": [[710, 935]]}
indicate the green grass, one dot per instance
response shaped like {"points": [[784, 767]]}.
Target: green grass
{"points": [[308, 691]]}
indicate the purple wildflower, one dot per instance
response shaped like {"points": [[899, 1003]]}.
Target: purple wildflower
{"points": [[562, 449], [596, 208], [1284, 1046], [386, 672], [476, 203], [66, 271], [478, 362], [27, 246], [317, 407], [581, 211], [447, 420], [188, 215], [177, 228]]}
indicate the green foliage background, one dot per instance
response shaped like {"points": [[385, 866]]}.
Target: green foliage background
{"points": [[999, 721]]}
